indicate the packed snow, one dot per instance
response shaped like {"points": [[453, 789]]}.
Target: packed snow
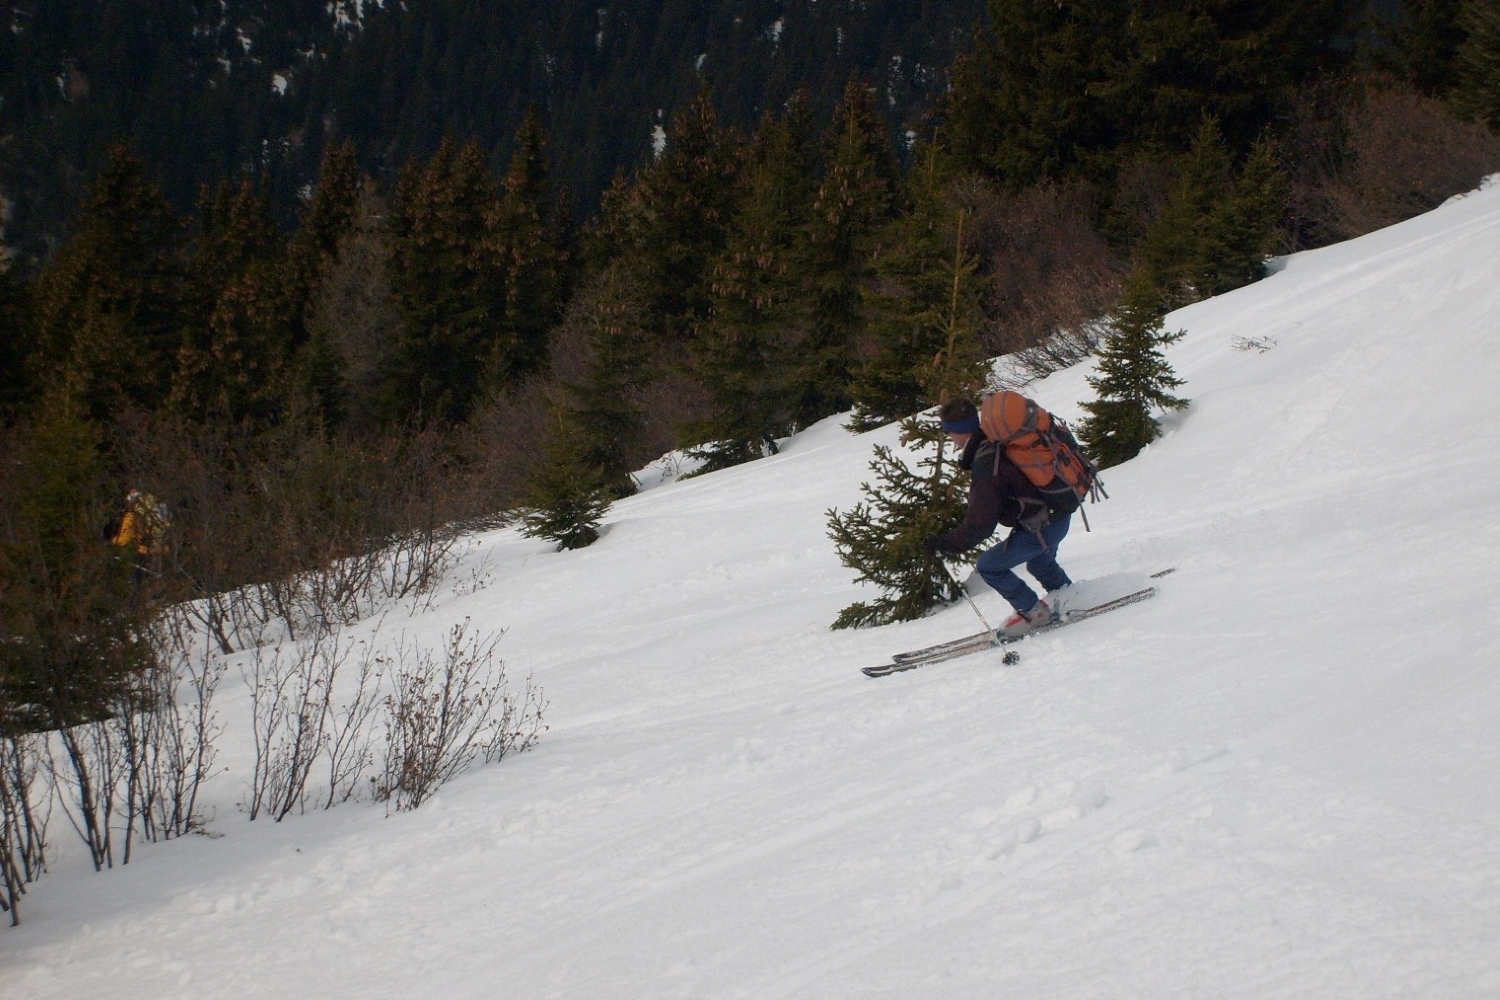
{"points": [[1279, 778]]}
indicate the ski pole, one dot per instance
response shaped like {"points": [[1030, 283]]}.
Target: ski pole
{"points": [[961, 590]]}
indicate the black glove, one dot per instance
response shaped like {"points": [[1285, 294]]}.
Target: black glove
{"points": [[933, 544]]}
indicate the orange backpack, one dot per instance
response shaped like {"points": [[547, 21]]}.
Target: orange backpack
{"points": [[1043, 448]]}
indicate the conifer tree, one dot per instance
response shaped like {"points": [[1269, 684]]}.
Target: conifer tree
{"points": [[923, 305], [527, 241], [1421, 44], [331, 219], [240, 332], [109, 310], [739, 354], [1038, 95], [446, 280], [1133, 378], [1243, 229], [881, 537], [608, 320], [334, 207], [680, 211], [1218, 224], [854, 198], [567, 496], [1477, 94], [1056, 90]]}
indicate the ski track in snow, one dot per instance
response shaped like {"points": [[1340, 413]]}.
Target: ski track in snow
{"points": [[1276, 779]]}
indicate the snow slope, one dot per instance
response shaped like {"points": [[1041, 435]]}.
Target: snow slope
{"points": [[1281, 778]]}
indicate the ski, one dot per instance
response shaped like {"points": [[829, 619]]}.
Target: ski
{"points": [[982, 640], [986, 640]]}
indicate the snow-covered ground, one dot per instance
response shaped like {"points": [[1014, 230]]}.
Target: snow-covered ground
{"points": [[1281, 778]]}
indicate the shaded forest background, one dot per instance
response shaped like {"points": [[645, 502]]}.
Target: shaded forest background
{"points": [[333, 281]]}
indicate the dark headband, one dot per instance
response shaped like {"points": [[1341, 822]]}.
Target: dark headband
{"points": [[966, 426]]}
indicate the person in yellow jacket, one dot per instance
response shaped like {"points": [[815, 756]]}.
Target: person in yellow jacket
{"points": [[141, 529]]}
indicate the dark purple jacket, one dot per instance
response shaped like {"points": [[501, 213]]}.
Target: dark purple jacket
{"points": [[999, 493]]}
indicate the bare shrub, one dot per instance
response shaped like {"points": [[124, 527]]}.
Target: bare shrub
{"points": [[301, 529], [1388, 154], [25, 807], [443, 715], [178, 751], [1258, 344], [1063, 349], [305, 707], [90, 778], [501, 445], [287, 712], [348, 746], [1050, 268]]}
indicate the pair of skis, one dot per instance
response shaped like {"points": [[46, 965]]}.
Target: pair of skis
{"points": [[955, 648]]}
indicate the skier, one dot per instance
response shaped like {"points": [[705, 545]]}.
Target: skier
{"points": [[1000, 493], [139, 537]]}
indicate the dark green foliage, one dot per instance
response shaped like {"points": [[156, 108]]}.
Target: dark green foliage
{"points": [[352, 322], [607, 327], [1477, 90], [677, 220], [176, 81], [1421, 43], [109, 308], [756, 315], [532, 257], [856, 197], [1056, 90], [1133, 378], [1038, 96], [567, 495], [1237, 62], [334, 207], [881, 537], [1218, 225], [447, 282], [243, 316], [330, 220], [925, 311]]}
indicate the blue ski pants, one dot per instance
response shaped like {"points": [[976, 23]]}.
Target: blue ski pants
{"points": [[1022, 546]]}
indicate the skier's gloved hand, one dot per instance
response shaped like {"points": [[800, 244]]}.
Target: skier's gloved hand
{"points": [[933, 544]]}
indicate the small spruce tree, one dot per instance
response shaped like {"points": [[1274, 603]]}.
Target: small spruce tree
{"points": [[607, 331], [567, 495], [1133, 379], [881, 538]]}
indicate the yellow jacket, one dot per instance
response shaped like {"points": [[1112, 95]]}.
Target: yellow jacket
{"points": [[142, 526]]}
